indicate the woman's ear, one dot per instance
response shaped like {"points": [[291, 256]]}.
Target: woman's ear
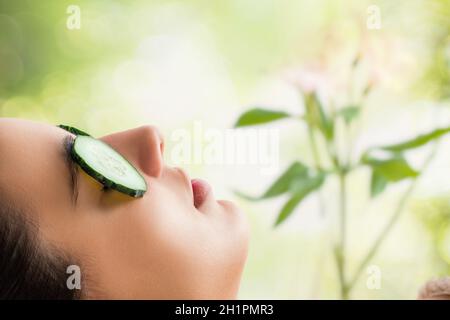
{"points": [[437, 289]]}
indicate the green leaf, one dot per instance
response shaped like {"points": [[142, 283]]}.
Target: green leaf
{"points": [[296, 171], [385, 171], [259, 116], [377, 184], [300, 190], [417, 141], [245, 196], [316, 116], [348, 113], [393, 170]]}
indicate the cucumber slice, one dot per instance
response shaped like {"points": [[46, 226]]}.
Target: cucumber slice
{"points": [[107, 166], [73, 130]]}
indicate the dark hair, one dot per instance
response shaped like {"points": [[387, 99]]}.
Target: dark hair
{"points": [[436, 289], [28, 268]]}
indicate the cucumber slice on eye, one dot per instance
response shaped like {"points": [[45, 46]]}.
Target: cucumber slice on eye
{"points": [[107, 166], [73, 130]]}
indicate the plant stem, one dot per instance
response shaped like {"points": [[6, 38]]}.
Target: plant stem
{"points": [[373, 250], [341, 256], [395, 216], [341, 166], [313, 144], [340, 250], [317, 165]]}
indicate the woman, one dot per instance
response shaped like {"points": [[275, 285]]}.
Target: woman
{"points": [[176, 242]]}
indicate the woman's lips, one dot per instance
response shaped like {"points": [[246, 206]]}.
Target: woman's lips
{"points": [[201, 190]]}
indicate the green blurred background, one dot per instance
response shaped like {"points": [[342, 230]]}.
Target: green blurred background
{"points": [[170, 63]]}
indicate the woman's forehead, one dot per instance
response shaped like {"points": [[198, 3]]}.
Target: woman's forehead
{"points": [[31, 160], [12, 129], [26, 144], [19, 137]]}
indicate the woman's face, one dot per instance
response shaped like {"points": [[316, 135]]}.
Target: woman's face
{"points": [[177, 241]]}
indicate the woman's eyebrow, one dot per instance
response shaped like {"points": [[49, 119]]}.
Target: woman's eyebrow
{"points": [[67, 144]]}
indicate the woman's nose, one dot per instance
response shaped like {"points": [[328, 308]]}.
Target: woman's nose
{"points": [[143, 147]]}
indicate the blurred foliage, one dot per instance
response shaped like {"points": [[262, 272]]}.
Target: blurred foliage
{"points": [[299, 182], [436, 80], [435, 216]]}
